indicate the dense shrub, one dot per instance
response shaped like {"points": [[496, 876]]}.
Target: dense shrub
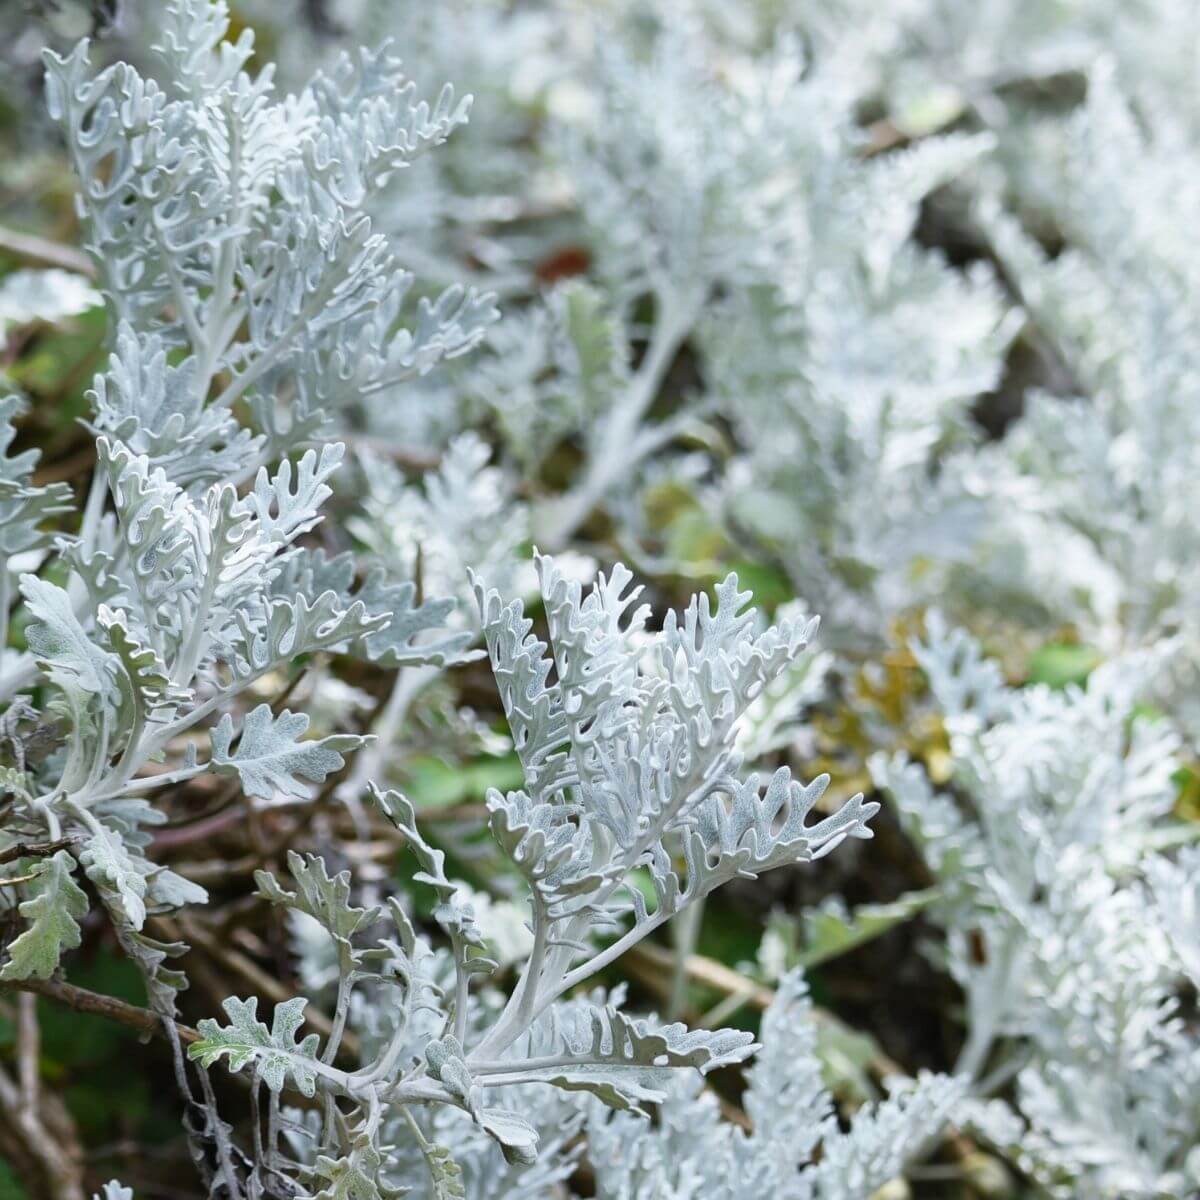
{"points": [[885, 312]]}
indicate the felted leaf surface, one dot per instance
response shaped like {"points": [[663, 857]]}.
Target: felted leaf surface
{"points": [[61, 645], [110, 866], [356, 1176], [53, 910], [23, 507], [113, 1190], [623, 1060], [271, 759], [325, 899], [415, 634], [274, 1053], [453, 913]]}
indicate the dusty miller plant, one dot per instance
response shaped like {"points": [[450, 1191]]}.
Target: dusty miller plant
{"points": [[1091, 487], [850, 371], [754, 287], [629, 763], [250, 296], [1069, 928]]}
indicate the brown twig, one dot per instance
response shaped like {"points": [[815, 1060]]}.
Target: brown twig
{"points": [[34, 849], [652, 965], [218, 870], [655, 963], [201, 826], [56, 1172], [67, 468], [13, 880], [36, 249], [84, 1001], [29, 1043]]}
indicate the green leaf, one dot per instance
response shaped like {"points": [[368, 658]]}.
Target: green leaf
{"points": [[16, 781], [271, 759], [847, 1056], [1058, 664], [10, 1186], [832, 930], [54, 910], [275, 1053], [771, 587], [61, 362], [435, 783]]}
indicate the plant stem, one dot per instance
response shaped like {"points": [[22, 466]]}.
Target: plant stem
{"points": [[612, 457], [28, 1048], [340, 1012], [685, 934], [369, 762], [34, 849], [92, 512]]}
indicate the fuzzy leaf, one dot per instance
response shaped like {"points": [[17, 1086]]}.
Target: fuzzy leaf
{"points": [[285, 508], [275, 1053], [326, 900], [151, 956], [144, 681], [299, 626], [62, 647], [154, 408], [54, 909], [323, 898], [415, 634], [168, 890], [623, 1060], [534, 709], [109, 865], [830, 930], [113, 1190], [452, 912], [517, 1138], [444, 1173], [271, 759], [356, 1176], [883, 1137], [23, 506]]}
